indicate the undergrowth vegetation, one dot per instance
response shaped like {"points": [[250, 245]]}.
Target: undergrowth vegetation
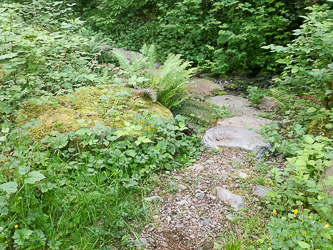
{"points": [[81, 188], [83, 128]]}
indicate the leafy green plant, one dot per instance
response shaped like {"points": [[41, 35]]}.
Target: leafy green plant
{"points": [[220, 35], [172, 81], [145, 62], [66, 180], [38, 63], [302, 207], [256, 94], [308, 58], [76, 189]]}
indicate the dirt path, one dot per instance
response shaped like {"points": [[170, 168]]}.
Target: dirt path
{"points": [[189, 213]]}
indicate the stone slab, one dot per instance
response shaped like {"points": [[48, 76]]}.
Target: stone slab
{"points": [[204, 87], [261, 191], [235, 105], [235, 201], [235, 137], [252, 122]]}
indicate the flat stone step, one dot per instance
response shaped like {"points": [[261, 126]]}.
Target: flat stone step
{"points": [[237, 106], [252, 122], [235, 137]]}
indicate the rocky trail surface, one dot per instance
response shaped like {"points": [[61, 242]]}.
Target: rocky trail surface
{"points": [[193, 206]]}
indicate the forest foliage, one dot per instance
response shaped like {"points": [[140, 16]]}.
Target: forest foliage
{"points": [[79, 189]]}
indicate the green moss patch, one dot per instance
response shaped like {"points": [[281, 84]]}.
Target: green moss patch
{"points": [[108, 105]]}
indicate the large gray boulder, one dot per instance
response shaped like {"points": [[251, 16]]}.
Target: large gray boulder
{"points": [[126, 53], [235, 137]]}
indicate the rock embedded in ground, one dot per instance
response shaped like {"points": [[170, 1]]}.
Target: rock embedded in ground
{"points": [[142, 242], [229, 217], [199, 195], [245, 121], [223, 177], [229, 168], [235, 201], [243, 175], [206, 221], [204, 87], [268, 104], [235, 105], [126, 53], [197, 168], [261, 191], [236, 138], [182, 203]]}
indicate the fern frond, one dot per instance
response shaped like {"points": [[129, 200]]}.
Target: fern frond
{"points": [[123, 62], [147, 94], [199, 114], [284, 99], [146, 61], [173, 79]]}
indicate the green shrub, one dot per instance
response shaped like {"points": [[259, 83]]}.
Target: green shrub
{"points": [[41, 63], [221, 35], [308, 58], [301, 209], [256, 94]]}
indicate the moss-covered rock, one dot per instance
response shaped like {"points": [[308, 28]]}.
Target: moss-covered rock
{"points": [[108, 105], [223, 77], [209, 76], [205, 88], [231, 86], [317, 127]]}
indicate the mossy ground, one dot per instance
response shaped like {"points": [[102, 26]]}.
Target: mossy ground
{"points": [[317, 127], [108, 105]]}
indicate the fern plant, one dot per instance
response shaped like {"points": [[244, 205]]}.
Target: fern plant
{"points": [[146, 61], [199, 114], [284, 99], [95, 42], [172, 81]]}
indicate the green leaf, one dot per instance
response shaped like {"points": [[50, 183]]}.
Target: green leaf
{"points": [[329, 181], [308, 139], [131, 153], [6, 56], [9, 187], [3, 201], [83, 131], [303, 244], [329, 126], [33, 177], [60, 142], [23, 170], [311, 110], [326, 235], [272, 193]]}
